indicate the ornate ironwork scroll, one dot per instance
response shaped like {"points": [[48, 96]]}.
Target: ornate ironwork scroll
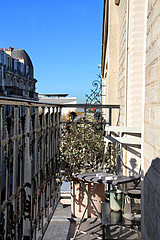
{"points": [[96, 93], [95, 98]]}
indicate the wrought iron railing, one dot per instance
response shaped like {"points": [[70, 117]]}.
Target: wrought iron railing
{"points": [[29, 149], [29, 162]]}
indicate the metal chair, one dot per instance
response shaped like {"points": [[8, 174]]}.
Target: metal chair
{"points": [[127, 217]]}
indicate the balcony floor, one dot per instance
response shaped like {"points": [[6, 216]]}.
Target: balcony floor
{"points": [[62, 227]]}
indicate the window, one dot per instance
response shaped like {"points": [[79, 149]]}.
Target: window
{"points": [[8, 63]]}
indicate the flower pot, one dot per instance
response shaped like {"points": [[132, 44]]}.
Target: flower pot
{"points": [[79, 199]]}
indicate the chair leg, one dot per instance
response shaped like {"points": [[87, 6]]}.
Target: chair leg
{"points": [[120, 231]]}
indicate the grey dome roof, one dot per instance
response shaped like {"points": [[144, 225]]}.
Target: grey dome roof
{"points": [[20, 53]]}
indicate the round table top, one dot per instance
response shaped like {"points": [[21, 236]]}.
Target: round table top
{"points": [[96, 177], [109, 178]]}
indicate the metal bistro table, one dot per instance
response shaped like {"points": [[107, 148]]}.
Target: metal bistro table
{"points": [[97, 178]]}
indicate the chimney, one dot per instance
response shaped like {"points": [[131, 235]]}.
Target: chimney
{"points": [[9, 50]]}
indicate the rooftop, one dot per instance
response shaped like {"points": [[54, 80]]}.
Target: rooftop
{"points": [[53, 94]]}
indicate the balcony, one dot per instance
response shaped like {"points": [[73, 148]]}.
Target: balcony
{"points": [[17, 92], [30, 168], [14, 91]]}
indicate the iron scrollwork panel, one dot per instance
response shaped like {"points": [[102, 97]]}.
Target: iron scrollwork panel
{"points": [[96, 93]]}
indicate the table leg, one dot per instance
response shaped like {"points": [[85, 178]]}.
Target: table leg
{"points": [[90, 197], [89, 200]]}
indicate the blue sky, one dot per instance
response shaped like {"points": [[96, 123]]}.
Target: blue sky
{"points": [[63, 39]]}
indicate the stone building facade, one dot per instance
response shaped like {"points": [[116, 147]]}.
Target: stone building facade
{"points": [[16, 74], [152, 123], [131, 78]]}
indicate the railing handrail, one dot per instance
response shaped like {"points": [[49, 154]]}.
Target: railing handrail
{"points": [[83, 105], [28, 102]]}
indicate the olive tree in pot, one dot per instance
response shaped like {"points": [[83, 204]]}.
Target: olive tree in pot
{"points": [[82, 150], [82, 147]]}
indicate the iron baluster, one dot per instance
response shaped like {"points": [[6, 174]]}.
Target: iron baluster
{"points": [[27, 178], [2, 231], [15, 166], [9, 228]]}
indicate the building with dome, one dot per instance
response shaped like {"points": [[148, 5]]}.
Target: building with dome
{"points": [[17, 74]]}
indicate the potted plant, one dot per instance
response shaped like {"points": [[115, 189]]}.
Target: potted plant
{"points": [[81, 150], [82, 147]]}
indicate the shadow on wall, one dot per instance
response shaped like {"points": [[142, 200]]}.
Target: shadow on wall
{"points": [[152, 201], [133, 169]]}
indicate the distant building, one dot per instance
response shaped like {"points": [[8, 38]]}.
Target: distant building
{"points": [[16, 74], [58, 98]]}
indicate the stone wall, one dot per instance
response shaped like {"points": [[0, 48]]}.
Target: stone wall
{"points": [[122, 59], [138, 93], [152, 86], [109, 80], [131, 73], [151, 191]]}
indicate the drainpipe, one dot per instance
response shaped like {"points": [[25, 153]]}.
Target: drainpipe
{"points": [[127, 48]]}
